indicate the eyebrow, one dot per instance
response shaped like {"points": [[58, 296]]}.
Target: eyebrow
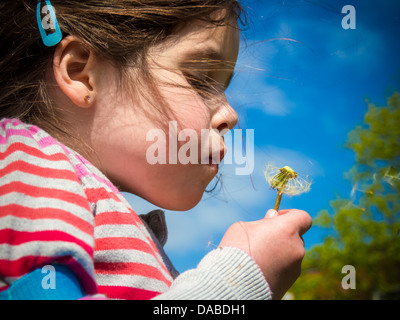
{"points": [[209, 54]]}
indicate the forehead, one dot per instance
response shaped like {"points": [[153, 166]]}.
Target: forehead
{"points": [[202, 40]]}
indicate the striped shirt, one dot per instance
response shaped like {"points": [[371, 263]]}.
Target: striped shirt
{"points": [[56, 207]]}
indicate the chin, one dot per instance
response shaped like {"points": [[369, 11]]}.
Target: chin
{"points": [[178, 202], [183, 204]]}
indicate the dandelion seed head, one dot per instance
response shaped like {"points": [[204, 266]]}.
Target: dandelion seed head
{"points": [[287, 179]]}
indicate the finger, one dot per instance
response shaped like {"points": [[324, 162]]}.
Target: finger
{"points": [[304, 220], [271, 213], [301, 219]]}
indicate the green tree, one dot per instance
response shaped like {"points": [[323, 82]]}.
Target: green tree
{"points": [[364, 231]]}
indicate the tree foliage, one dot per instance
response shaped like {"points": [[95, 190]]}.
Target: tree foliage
{"points": [[364, 230]]}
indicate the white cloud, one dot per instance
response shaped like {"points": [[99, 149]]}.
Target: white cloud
{"points": [[263, 77], [275, 102], [297, 160], [258, 94], [199, 228]]}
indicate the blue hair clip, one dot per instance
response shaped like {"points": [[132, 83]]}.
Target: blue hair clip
{"points": [[48, 25]]}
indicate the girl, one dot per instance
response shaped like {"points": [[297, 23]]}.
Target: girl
{"points": [[82, 83]]}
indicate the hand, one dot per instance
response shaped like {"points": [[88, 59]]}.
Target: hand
{"points": [[275, 244]]}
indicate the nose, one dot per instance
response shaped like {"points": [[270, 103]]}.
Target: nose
{"points": [[225, 118]]}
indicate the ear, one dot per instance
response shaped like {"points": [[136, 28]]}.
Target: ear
{"points": [[74, 66]]}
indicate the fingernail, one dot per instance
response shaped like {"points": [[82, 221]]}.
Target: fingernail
{"points": [[271, 213]]}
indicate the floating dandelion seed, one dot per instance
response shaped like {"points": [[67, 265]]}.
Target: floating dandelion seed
{"points": [[285, 180], [391, 176]]}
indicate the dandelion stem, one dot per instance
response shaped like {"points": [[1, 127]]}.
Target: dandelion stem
{"points": [[281, 179], [278, 201]]}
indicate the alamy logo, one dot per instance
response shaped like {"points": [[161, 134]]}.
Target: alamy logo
{"points": [[349, 280], [49, 280], [349, 20], [207, 147], [47, 23]]}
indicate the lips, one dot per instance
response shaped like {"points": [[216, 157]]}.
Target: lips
{"points": [[216, 158]]}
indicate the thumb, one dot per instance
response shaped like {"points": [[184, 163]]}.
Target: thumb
{"points": [[271, 213]]}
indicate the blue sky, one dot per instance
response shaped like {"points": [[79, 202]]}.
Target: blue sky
{"points": [[301, 97]]}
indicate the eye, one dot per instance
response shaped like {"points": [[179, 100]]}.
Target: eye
{"points": [[205, 85]]}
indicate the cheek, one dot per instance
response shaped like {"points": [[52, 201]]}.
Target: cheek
{"points": [[187, 108], [120, 145]]}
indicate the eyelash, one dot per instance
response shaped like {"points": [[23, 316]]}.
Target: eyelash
{"points": [[207, 88]]}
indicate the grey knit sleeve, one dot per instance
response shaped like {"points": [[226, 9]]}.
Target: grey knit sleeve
{"points": [[223, 274]]}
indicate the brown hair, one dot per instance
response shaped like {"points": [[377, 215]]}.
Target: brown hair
{"points": [[119, 31]]}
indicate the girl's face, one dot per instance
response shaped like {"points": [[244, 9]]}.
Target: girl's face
{"points": [[125, 135]]}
